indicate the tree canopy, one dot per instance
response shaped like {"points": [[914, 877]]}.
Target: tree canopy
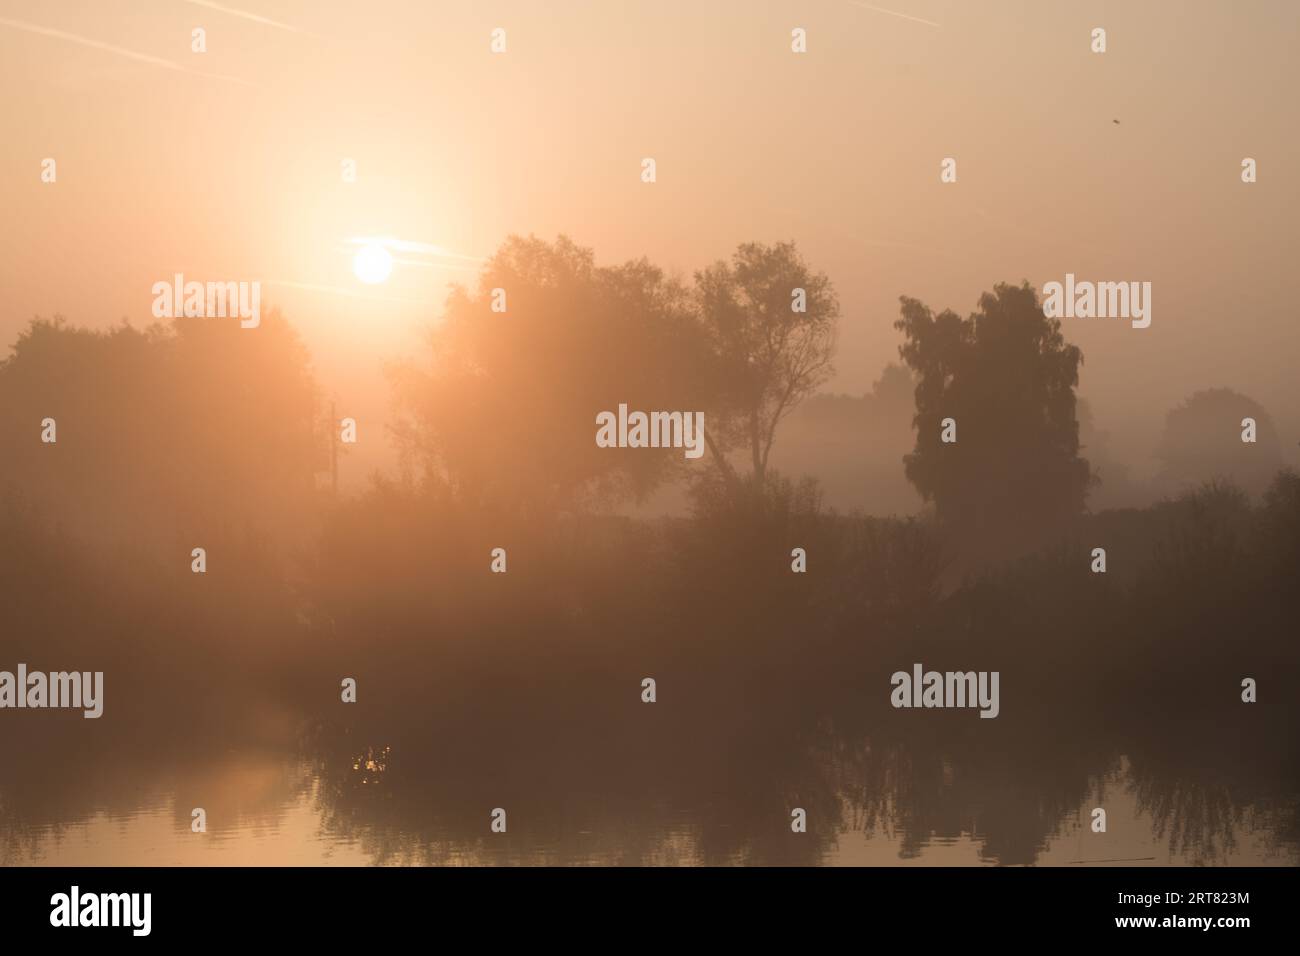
{"points": [[504, 414], [770, 323], [1006, 376]]}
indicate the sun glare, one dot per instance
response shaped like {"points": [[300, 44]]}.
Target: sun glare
{"points": [[372, 263]]}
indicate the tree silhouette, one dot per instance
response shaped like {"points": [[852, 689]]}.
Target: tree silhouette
{"points": [[1202, 441], [766, 356], [1007, 378], [197, 425], [505, 415]]}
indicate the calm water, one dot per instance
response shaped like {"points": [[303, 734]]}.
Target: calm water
{"points": [[269, 808]]}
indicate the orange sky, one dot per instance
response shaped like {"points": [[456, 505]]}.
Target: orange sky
{"points": [[226, 165]]}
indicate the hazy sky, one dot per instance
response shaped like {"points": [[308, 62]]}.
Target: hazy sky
{"points": [[226, 165]]}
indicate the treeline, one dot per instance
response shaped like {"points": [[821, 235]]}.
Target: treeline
{"points": [[202, 434], [167, 435], [531, 681]]}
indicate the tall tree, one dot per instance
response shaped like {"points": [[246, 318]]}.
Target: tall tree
{"points": [[505, 415], [770, 327], [1006, 376]]}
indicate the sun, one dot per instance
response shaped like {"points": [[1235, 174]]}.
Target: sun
{"points": [[372, 263]]}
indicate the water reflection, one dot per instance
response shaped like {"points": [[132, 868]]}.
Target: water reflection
{"points": [[869, 800], [773, 694]]}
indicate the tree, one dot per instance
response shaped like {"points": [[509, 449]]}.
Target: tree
{"points": [[1202, 441], [1006, 377], [505, 414], [769, 323], [198, 425]]}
